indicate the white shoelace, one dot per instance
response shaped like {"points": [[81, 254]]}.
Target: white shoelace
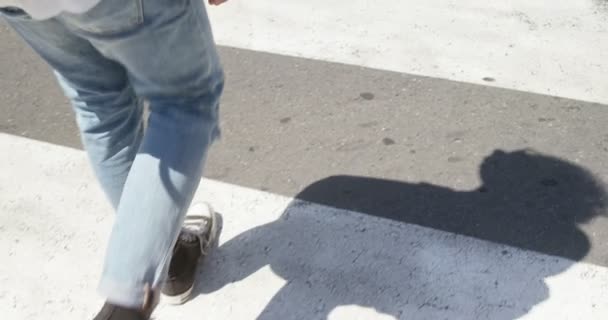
{"points": [[193, 230]]}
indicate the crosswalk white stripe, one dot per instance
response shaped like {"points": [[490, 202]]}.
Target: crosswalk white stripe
{"points": [[279, 257], [559, 48]]}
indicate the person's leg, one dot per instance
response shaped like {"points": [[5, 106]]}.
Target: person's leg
{"points": [[168, 51], [169, 58], [108, 113]]}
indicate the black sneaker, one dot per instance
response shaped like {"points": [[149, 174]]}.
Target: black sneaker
{"points": [[198, 235], [113, 312]]}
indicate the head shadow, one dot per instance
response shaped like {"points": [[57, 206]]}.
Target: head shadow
{"points": [[332, 258]]}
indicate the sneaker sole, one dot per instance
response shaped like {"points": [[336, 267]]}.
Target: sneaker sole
{"points": [[179, 299]]}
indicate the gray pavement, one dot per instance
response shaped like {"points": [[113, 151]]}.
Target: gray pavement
{"points": [[432, 152]]}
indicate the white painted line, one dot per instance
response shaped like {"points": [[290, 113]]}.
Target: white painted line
{"points": [[278, 258], [558, 48]]}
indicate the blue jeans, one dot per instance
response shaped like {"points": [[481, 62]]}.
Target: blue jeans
{"points": [[109, 61]]}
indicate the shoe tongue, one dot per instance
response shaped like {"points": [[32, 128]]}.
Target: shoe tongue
{"points": [[188, 237]]}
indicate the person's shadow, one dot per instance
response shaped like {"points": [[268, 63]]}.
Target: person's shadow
{"points": [[331, 258]]}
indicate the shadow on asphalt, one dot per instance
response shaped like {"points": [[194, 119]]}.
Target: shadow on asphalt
{"points": [[526, 200]]}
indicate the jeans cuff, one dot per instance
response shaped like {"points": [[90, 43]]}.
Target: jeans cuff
{"points": [[128, 296]]}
